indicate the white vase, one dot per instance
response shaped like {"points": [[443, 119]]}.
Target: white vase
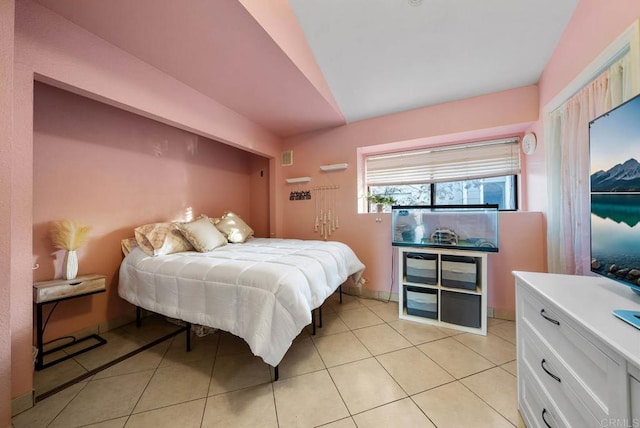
{"points": [[70, 265]]}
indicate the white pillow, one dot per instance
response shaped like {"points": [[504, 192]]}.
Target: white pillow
{"points": [[202, 234]]}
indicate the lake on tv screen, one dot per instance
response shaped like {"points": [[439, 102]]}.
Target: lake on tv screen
{"points": [[615, 231]]}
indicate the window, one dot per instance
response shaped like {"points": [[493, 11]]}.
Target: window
{"points": [[478, 173]]}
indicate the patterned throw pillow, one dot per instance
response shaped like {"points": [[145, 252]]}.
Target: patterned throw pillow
{"points": [[127, 245], [234, 228], [157, 239], [202, 234]]}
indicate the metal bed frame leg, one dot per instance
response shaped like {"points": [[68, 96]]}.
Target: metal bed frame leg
{"points": [[276, 374], [188, 330], [320, 316], [138, 316], [340, 293], [313, 322]]}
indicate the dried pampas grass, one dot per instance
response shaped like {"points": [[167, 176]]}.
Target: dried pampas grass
{"points": [[69, 234]]}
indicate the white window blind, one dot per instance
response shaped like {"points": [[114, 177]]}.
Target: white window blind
{"points": [[451, 163]]}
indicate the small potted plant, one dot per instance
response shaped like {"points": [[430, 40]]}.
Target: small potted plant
{"points": [[380, 201]]}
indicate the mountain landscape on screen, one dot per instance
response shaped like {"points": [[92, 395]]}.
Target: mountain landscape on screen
{"points": [[621, 178]]}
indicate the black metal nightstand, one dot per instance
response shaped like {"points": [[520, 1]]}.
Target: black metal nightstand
{"points": [[56, 291]]}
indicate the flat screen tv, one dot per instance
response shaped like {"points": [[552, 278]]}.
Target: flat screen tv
{"points": [[614, 146]]}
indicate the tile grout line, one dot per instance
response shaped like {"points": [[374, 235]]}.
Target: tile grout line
{"points": [[410, 396], [177, 403], [381, 365], [453, 375], [455, 379], [425, 354], [275, 405], [331, 377], [496, 364], [148, 382], [73, 398], [206, 397], [351, 330], [66, 405], [484, 401], [89, 373]]}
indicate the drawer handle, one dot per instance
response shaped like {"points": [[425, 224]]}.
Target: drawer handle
{"points": [[75, 283], [544, 412], [548, 372], [551, 320]]}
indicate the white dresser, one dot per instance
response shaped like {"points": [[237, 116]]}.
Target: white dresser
{"points": [[578, 365]]}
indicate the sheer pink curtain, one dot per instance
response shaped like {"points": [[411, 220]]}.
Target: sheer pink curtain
{"points": [[568, 231]]}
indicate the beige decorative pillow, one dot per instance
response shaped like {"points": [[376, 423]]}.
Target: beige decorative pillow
{"points": [[157, 239], [202, 234], [235, 229], [127, 245]]}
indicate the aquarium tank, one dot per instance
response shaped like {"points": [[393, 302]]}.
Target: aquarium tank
{"points": [[463, 227]]}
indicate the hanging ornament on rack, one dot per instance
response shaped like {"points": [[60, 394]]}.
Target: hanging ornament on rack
{"points": [[300, 195], [335, 213], [316, 223], [336, 220], [326, 219]]}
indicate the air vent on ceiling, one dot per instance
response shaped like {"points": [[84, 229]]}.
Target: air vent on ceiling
{"points": [[287, 158]]}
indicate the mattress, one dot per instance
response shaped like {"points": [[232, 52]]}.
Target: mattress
{"points": [[262, 290]]}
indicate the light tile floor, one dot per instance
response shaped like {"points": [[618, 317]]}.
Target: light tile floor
{"points": [[364, 368], [120, 341]]}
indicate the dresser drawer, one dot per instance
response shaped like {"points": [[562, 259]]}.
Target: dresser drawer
{"points": [[535, 405], [556, 379], [583, 361], [46, 291], [634, 394]]}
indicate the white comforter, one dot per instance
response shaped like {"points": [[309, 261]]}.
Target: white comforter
{"points": [[262, 290]]}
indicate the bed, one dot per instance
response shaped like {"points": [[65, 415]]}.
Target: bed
{"points": [[263, 290]]}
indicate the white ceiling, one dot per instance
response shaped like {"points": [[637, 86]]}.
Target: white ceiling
{"points": [[377, 56], [386, 56]]}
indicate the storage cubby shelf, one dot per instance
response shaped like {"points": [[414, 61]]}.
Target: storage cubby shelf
{"points": [[476, 291], [453, 290], [417, 284]]}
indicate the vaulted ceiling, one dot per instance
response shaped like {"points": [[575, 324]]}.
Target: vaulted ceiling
{"points": [[304, 65]]}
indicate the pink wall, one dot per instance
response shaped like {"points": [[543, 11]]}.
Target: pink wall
{"points": [[114, 171], [277, 18], [594, 25], [220, 49], [6, 130], [496, 115], [68, 56], [49, 48], [260, 219], [521, 242], [21, 231]]}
